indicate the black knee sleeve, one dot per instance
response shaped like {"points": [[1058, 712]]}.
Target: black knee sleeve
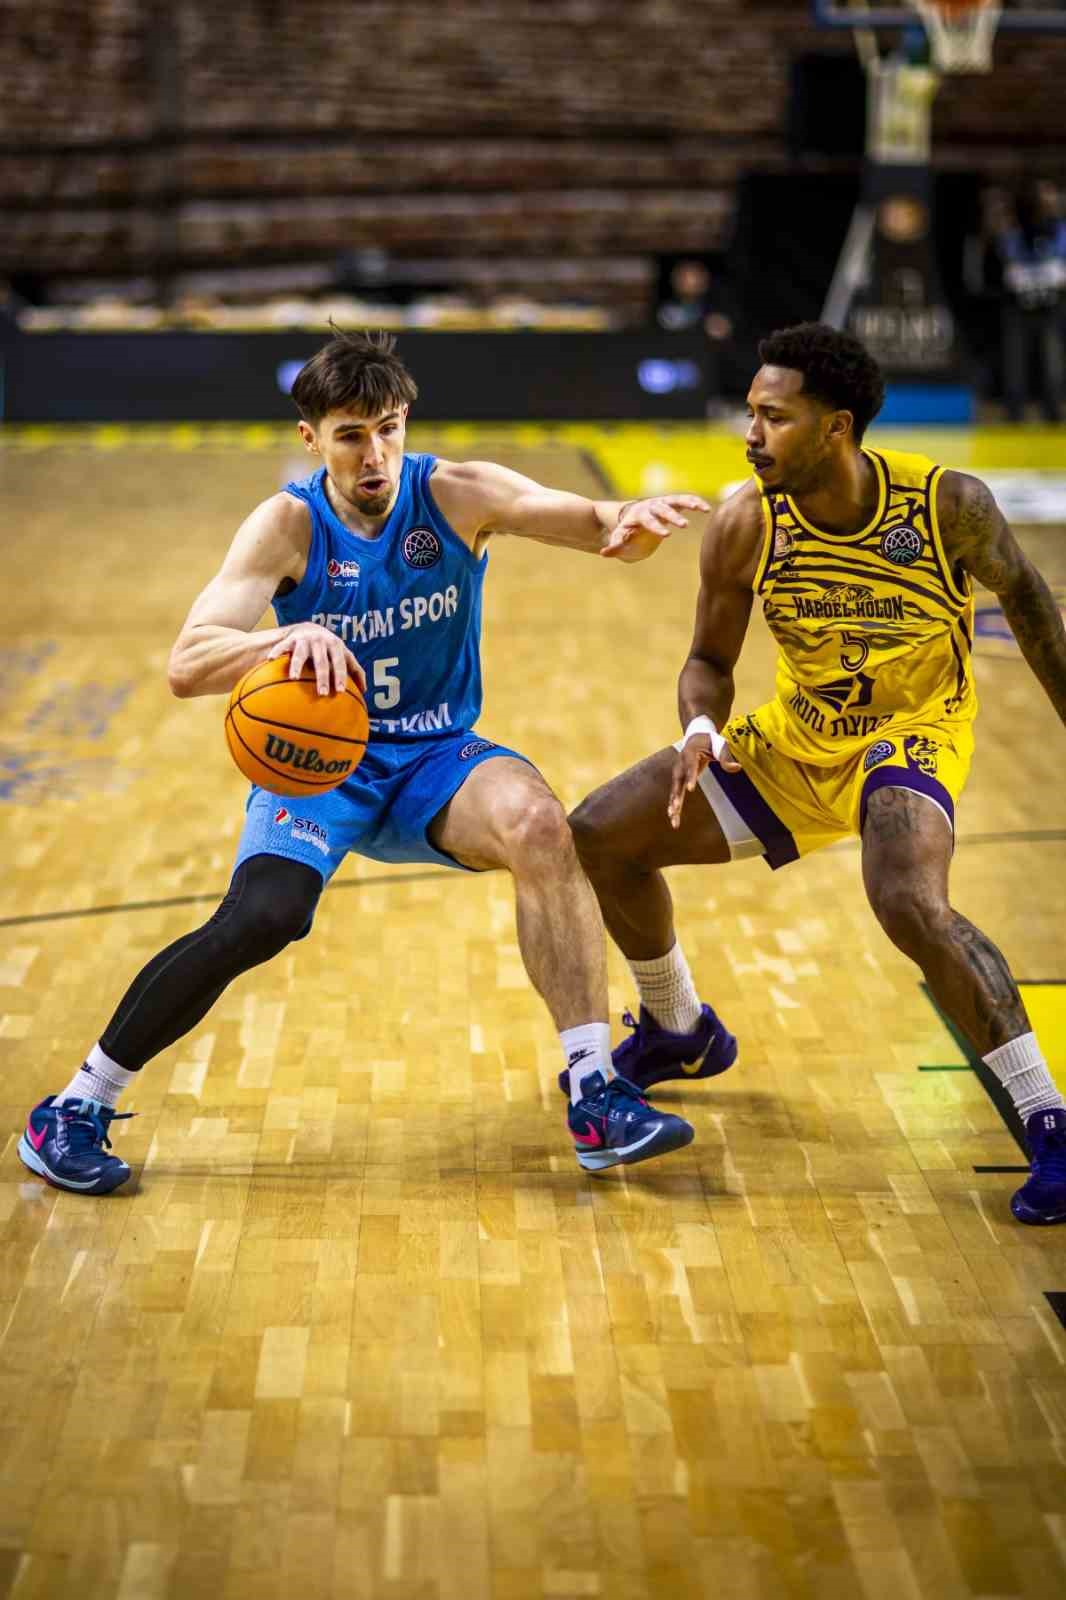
{"points": [[270, 902]]}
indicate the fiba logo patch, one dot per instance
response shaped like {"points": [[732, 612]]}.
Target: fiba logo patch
{"points": [[877, 753], [902, 546], [475, 748], [421, 548]]}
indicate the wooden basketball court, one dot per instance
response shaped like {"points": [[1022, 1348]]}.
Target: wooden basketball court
{"points": [[361, 1328]]}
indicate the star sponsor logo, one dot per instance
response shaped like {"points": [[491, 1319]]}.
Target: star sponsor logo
{"points": [[902, 546], [421, 548], [311, 833], [303, 828]]}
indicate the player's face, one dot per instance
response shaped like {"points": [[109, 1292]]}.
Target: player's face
{"points": [[790, 434], [363, 455]]}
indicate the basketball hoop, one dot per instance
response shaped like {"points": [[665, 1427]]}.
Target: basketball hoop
{"points": [[961, 32]]}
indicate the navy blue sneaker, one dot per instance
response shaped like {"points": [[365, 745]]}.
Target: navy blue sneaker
{"points": [[614, 1125], [654, 1055], [1042, 1198], [66, 1145]]}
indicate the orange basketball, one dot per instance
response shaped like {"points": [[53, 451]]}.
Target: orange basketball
{"points": [[290, 739]]}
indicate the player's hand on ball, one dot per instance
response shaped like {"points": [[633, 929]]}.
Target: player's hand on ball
{"points": [[333, 661], [698, 753], [644, 525]]}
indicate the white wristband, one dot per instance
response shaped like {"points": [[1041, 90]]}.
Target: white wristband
{"points": [[705, 725]]}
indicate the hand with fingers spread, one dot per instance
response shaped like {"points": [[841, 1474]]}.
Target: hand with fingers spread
{"points": [[644, 524], [333, 662], [703, 744]]}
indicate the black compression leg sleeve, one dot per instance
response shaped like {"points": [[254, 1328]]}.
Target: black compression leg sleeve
{"points": [[270, 902]]}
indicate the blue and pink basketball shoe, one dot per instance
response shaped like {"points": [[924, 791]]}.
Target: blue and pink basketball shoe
{"points": [[613, 1125], [67, 1146]]}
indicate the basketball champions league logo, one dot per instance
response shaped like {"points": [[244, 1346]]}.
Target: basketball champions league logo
{"points": [[902, 546], [421, 548]]}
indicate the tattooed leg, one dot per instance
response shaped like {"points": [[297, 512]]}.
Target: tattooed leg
{"points": [[971, 981], [906, 852]]}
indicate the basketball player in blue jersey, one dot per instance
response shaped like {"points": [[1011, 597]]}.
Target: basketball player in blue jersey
{"points": [[374, 566], [864, 561]]}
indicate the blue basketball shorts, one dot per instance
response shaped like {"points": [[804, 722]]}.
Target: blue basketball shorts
{"points": [[381, 811]]}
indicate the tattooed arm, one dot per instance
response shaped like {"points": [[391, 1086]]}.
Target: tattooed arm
{"points": [[977, 537]]}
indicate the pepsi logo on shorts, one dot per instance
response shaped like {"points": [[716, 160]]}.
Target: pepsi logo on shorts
{"points": [[422, 548]]}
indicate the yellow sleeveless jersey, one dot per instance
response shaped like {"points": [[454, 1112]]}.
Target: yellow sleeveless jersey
{"points": [[874, 629]]}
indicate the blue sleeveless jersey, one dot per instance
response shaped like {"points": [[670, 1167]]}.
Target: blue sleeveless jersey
{"points": [[407, 604]]}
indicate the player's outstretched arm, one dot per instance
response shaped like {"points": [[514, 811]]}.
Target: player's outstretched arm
{"points": [[481, 497], [217, 644], [729, 556], [976, 534]]}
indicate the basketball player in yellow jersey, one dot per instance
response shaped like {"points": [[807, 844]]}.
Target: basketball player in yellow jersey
{"points": [[863, 561]]}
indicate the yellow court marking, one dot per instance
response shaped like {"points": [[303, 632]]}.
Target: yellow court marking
{"points": [[1046, 1005], [637, 458]]}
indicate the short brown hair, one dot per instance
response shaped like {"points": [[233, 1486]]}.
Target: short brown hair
{"points": [[354, 371]]}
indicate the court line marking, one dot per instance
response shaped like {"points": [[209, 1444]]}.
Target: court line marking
{"points": [[211, 896], [1033, 836]]}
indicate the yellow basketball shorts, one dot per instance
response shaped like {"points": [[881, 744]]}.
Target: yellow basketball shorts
{"points": [[782, 808]]}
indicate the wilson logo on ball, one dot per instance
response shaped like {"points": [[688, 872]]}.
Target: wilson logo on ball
{"points": [[301, 759]]}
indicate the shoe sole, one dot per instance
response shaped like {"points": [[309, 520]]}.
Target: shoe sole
{"points": [[600, 1160], [677, 1073], [106, 1185], [1035, 1219]]}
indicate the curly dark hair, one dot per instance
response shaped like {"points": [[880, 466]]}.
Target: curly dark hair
{"points": [[837, 368], [357, 370]]}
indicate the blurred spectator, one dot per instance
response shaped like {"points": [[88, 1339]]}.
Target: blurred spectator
{"points": [[1032, 250], [693, 300], [982, 263], [11, 304]]}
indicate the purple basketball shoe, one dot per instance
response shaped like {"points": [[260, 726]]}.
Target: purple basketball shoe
{"points": [[655, 1055], [1042, 1198]]}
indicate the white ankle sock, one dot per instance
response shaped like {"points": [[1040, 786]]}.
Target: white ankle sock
{"points": [[587, 1049], [99, 1079], [667, 991], [1022, 1071]]}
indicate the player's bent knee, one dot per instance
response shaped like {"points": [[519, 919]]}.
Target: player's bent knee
{"points": [[270, 903], [539, 829], [914, 921]]}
